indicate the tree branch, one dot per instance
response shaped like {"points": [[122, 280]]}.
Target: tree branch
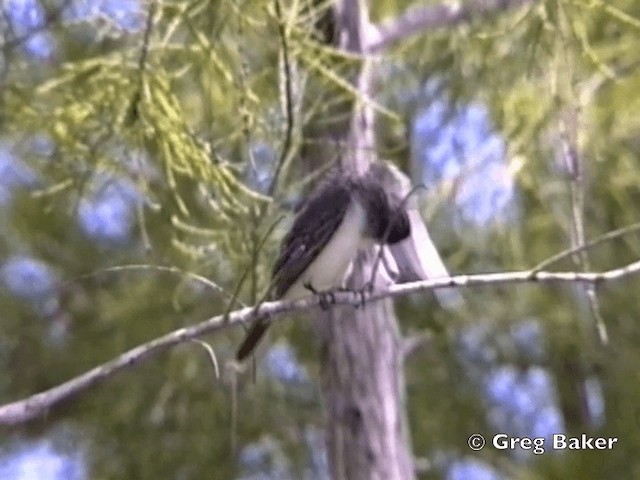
{"points": [[38, 404], [419, 19]]}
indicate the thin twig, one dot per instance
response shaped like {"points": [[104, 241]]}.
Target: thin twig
{"points": [[288, 99], [387, 232], [246, 271], [134, 105], [38, 404], [419, 19], [575, 166], [615, 234], [159, 268], [211, 354]]}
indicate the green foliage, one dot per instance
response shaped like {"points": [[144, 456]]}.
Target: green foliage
{"points": [[180, 109]]}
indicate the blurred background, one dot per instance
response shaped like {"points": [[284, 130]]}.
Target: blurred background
{"points": [[146, 134]]}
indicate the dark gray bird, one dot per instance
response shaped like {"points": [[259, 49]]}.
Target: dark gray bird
{"points": [[344, 214]]}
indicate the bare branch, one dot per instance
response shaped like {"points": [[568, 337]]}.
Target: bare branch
{"points": [[613, 235], [288, 97], [575, 167], [37, 405], [161, 268], [569, 120], [212, 356], [419, 19]]}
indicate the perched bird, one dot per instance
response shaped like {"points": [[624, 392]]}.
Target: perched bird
{"points": [[344, 214]]}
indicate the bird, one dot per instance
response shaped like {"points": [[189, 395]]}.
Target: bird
{"points": [[345, 213]]}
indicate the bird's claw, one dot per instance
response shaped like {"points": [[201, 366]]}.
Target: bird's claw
{"points": [[326, 298], [310, 287], [366, 289]]}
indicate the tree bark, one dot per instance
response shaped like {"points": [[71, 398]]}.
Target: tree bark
{"points": [[361, 362], [363, 389]]}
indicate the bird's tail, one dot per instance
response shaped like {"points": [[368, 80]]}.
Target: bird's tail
{"points": [[255, 333]]}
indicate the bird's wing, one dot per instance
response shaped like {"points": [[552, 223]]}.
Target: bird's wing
{"points": [[315, 223], [313, 227]]}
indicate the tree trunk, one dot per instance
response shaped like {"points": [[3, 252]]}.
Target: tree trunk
{"points": [[363, 388], [362, 376]]}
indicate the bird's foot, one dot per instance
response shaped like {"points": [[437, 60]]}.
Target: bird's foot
{"points": [[362, 292], [325, 297]]}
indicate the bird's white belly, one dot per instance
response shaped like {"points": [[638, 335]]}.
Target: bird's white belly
{"points": [[328, 269]]}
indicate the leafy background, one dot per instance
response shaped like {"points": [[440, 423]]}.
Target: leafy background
{"points": [[149, 134]]}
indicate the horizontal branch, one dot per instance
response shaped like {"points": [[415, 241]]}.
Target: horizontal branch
{"points": [[419, 19], [38, 404]]}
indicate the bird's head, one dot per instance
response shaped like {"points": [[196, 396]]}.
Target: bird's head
{"points": [[387, 218], [398, 225]]}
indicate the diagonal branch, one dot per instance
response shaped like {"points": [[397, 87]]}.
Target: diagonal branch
{"points": [[287, 97], [37, 405], [417, 20]]}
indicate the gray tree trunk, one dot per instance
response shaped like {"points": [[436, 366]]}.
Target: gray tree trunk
{"points": [[362, 373], [363, 388]]}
